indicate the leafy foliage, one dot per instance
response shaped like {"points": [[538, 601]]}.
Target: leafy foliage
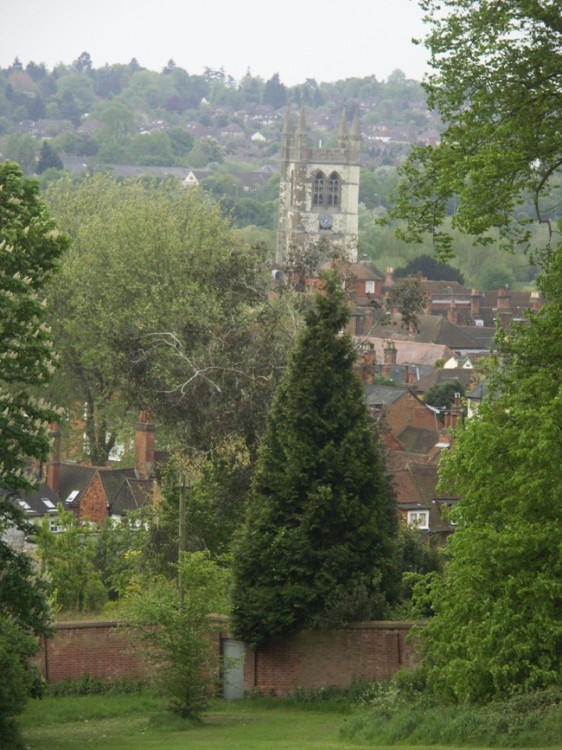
{"points": [[67, 559], [496, 84], [410, 296], [317, 547], [185, 327], [497, 628], [174, 638], [442, 395], [30, 247], [429, 268], [18, 681]]}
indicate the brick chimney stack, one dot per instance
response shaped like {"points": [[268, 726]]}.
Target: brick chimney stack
{"points": [[452, 415], [389, 359], [53, 464], [475, 298], [389, 277], [144, 446], [453, 314], [504, 308]]}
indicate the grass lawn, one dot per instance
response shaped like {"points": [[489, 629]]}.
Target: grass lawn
{"points": [[136, 722]]}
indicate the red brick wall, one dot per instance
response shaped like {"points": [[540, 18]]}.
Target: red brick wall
{"points": [[98, 649], [372, 650], [93, 506]]}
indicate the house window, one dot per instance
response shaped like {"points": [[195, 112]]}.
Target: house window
{"points": [[318, 190], [54, 526], [334, 190], [369, 287], [419, 518]]}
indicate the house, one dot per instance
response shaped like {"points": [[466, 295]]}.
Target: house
{"points": [[414, 436], [94, 493], [406, 423]]}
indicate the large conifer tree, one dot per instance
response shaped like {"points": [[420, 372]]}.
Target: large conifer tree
{"points": [[317, 548]]}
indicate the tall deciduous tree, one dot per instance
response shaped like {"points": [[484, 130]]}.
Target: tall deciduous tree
{"points": [[497, 626], [497, 84], [30, 248], [159, 306], [317, 548]]}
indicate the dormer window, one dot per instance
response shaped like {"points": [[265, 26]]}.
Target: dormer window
{"points": [[418, 518]]}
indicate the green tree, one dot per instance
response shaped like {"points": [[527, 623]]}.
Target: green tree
{"points": [[120, 551], [496, 628], [496, 83], [173, 636], [30, 248], [206, 151], [48, 159], [185, 326], [67, 560], [318, 544], [275, 92], [442, 395], [430, 268], [23, 150], [411, 297]]}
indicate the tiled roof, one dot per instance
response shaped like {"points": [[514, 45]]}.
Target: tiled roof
{"points": [[407, 350]]}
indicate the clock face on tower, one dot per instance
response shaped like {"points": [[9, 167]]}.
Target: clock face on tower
{"points": [[325, 221]]}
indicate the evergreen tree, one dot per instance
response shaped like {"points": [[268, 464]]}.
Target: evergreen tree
{"points": [[317, 548], [48, 159], [275, 92]]}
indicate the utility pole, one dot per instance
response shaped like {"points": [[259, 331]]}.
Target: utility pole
{"points": [[182, 537]]}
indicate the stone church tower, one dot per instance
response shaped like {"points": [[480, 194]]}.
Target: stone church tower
{"points": [[319, 190]]}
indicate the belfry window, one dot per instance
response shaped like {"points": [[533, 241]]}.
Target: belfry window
{"points": [[318, 190], [333, 190]]}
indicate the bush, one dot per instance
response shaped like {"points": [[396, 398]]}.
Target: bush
{"points": [[17, 680], [396, 716]]}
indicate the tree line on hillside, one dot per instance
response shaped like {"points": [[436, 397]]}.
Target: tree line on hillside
{"points": [[127, 114]]}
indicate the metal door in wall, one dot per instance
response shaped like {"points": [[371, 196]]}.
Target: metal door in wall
{"points": [[233, 669]]}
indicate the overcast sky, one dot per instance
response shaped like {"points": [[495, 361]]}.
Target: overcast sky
{"points": [[298, 39]]}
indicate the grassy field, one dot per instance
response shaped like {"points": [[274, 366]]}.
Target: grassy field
{"points": [[139, 721], [127, 722]]}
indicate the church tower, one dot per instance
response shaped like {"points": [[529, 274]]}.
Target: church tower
{"points": [[319, 189]]}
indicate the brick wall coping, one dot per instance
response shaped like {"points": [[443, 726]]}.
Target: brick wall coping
{"points": [[82, 624], [381, 625], [223, 619]]}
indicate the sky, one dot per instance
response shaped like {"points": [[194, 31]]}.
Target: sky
{"points": [[299, 39]]}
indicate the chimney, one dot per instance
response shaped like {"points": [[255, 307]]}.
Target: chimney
{"points": [[389, 359], [53, 464], [475, 298], [453, 314], [144, 446], [452, 415], [504, 308], [389, 278]]}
